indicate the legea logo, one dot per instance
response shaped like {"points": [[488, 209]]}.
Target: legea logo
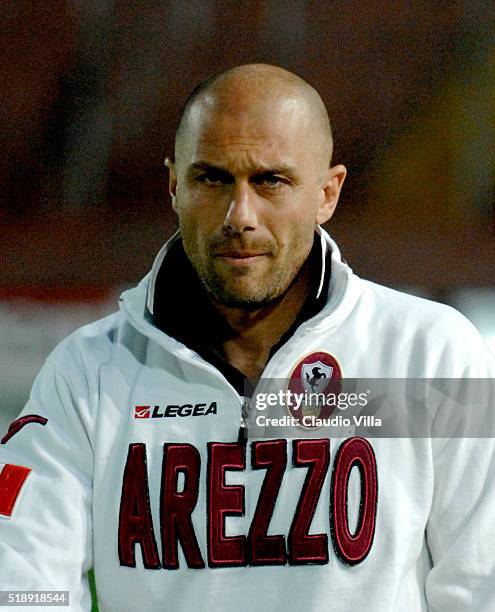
{"points": [[142, 412], [174, 410]]}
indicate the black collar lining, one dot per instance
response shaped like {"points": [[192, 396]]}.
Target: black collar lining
{"points": [[183, 310]]}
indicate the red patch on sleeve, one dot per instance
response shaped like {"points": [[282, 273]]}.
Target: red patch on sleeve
{"points": [[18, 424], [12, 479]]}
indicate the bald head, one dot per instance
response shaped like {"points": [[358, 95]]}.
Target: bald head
{"points": [[251, 181], [260, 90]]}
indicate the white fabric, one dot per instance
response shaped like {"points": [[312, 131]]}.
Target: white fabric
{"points": [[434, 543]]}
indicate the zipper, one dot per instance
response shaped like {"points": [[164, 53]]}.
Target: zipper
{"points": [[154, 334], [245, 418], [150, 332]]}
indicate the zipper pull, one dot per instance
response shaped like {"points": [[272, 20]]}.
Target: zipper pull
{"points": [[245, 417]]}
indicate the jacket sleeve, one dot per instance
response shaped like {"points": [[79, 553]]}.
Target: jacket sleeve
{"points": [[46, 463], [460, 530]]}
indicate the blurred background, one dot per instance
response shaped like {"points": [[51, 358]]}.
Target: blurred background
{"points": [[90, 96]]}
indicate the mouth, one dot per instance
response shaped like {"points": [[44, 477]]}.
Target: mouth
{"points": [[240, 258]]}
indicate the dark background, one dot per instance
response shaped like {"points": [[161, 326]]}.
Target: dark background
{"points": [[91, 93]]}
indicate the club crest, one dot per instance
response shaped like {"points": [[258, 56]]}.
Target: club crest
{"points": [[315, 376], [317, 379]]}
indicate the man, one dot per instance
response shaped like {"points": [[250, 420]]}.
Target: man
{"points": [[135, 454]]}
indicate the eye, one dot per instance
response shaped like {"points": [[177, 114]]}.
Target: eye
{"points": [[269, 179], [213, 178]]}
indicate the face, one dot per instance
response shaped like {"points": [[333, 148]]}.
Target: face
{"points": [[248, 194]]}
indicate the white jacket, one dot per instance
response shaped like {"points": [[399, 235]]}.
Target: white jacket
{"points": [[99, 492]]}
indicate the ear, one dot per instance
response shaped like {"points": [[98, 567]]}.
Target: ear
{"points": [[331, 187], [172, 181]]}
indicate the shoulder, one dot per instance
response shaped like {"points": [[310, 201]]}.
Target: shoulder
{"points": [[88, 346], [398, 306], [427, 330]]}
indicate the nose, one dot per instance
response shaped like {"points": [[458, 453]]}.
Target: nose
{"points": [[242, 214]]}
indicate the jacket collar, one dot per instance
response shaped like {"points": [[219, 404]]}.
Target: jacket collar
{"points": [[326, 244]]}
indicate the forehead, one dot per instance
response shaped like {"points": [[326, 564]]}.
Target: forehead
{"points": [[269, 132]]}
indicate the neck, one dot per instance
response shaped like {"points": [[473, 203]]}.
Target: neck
{"points": [[256, 331]]}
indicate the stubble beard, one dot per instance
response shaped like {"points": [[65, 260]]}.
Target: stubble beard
{"points": [[232, 292], [253, 295], [229, 289]]}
